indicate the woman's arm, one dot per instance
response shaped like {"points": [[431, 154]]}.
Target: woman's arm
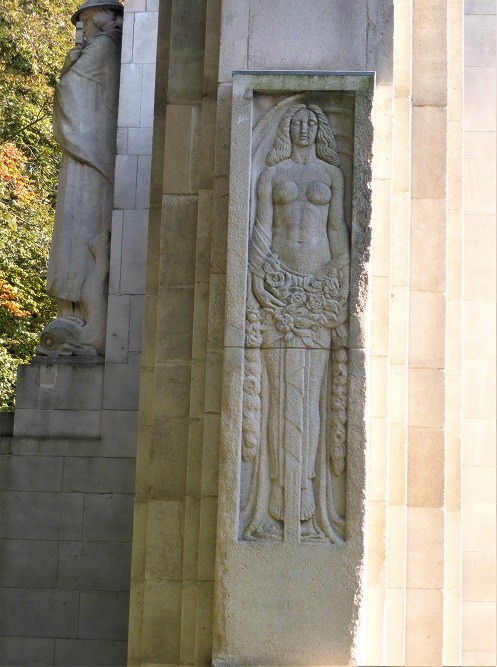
{"points": [[262, 234], [338, 234]]}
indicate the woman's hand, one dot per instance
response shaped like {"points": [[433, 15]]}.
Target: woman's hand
{"points": [[264, 297]]}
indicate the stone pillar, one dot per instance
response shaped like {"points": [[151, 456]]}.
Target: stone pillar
{"points": [[427, 333], [478, 341], [177, 468], [408, 605]]}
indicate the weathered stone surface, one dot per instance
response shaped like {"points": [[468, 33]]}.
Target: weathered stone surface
{"points": [[20, 569], [86, 652], [31, 473], [57, 423], [99, 475], [103, 615], [22, 651], [108, 517], [39, 613], [60, 386], [98, 566], [41, 516]]}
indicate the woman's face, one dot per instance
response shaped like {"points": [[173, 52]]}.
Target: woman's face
{"points": [[304, 128]]}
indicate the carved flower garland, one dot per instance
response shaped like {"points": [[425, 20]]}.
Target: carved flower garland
{"points": [[309, 304]]}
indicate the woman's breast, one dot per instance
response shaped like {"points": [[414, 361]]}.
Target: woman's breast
{"points": [[285, 192], [318, 193]]}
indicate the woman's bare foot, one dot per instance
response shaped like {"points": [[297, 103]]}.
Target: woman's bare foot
{"points": [[307, 505], [276, 501]]}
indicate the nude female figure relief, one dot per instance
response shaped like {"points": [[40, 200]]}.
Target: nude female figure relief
{"points": [[295, 389]]}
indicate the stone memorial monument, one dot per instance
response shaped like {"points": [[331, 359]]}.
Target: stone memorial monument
{"points": [[286, 220], [85, 126]]}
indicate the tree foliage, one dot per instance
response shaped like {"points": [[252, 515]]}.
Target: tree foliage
{"points": [[35, 36]]}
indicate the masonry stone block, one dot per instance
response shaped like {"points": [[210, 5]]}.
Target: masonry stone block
{"points": [[85, 652], [57, 423], [140, 140], [32, 473], [108, 517], [116, 240], [129, 110], [380, 40], [103, 615], [136, 316], [186, 64], [60, 386], [161, 603], [145, 37], [135, 6], [430, 65], [479, 7], [479, 99], [134, 253], [178, 241], [28, 564], [22, 651], [41, 516], [5, 445], [99, 475], [168, 469], [175, 323], [147, 96], [6, 423], [172, 390], [127, 39], [121, 387], [164, 540], [181, 127], [143, 184], [479, 41], [56, 446], [125, 188], [117, 344], [119, 429], [98, 566], [273, 49], [38, 613]]}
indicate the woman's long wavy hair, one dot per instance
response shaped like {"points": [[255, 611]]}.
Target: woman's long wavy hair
{"points": [[326, 146]]}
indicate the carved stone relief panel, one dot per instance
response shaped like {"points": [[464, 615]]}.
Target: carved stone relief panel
{"points": [[295, 379], [293, 447]]}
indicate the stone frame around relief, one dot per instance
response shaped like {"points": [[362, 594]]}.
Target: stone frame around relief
{"points": [[254, 95]]}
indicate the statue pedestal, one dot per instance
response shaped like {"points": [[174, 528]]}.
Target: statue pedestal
{"points": [[59, 398]]}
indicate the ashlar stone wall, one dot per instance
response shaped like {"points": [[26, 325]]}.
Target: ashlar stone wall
{"points": [[67, 476]]}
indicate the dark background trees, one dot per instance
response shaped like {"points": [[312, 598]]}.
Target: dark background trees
{"points": [[34, 38]]}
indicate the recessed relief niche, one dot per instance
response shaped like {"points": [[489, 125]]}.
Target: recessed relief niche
{"points": [[295, 387]]}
